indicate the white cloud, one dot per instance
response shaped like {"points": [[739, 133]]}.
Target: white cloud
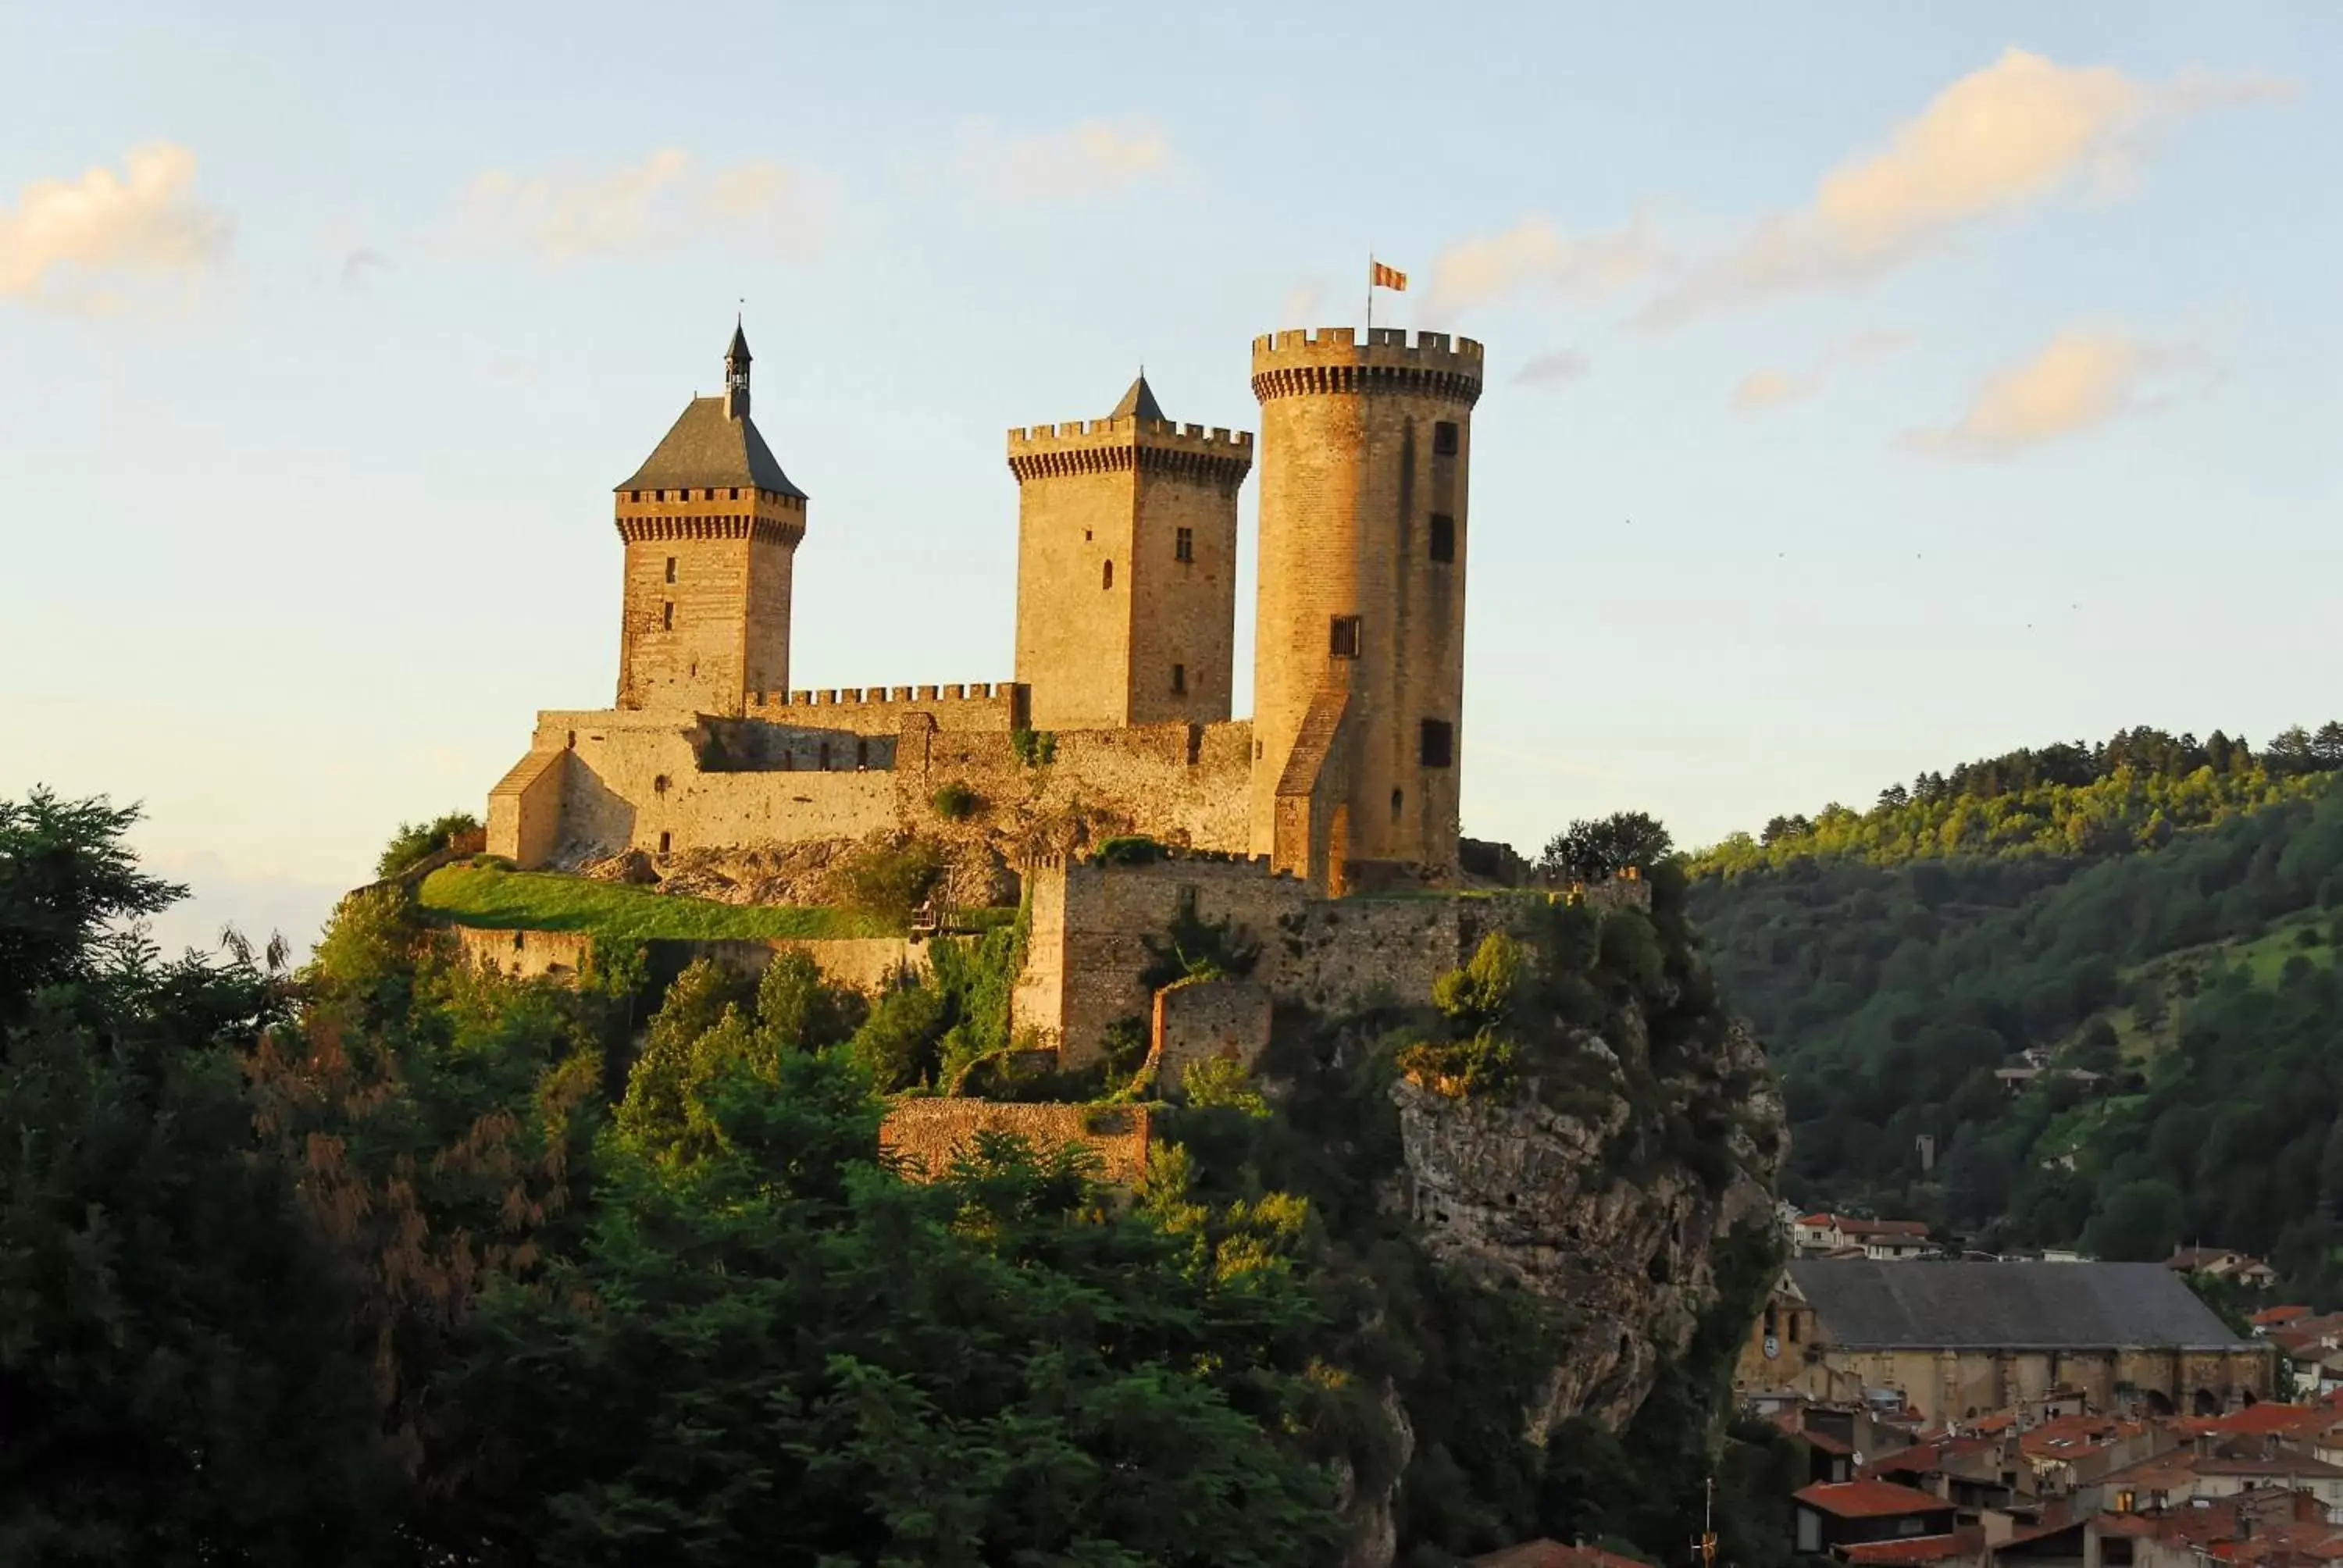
{"points": [[1534, 256], [62, 237], [2080, 379], [358, 264], [666, 200], [1302, 301], [1091, 159], [1763, 390], [1552, 368], [1993, 143]]}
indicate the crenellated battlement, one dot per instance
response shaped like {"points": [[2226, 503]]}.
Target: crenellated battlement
{"points": [[972, 705], [1334, 360], [1101, 445]]}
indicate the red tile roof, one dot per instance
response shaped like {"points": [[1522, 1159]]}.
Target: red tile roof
{"points": [[2269, 1317], [1546, 1553], [1917, 1549], [1870, 1499]]}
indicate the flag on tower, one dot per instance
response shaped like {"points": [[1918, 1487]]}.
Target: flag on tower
{"points": [[1382, 277]]}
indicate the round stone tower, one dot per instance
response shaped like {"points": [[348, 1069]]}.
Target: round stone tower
{"points": [[1359, 654]]}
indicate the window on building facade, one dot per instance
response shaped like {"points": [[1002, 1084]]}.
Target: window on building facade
{"points": [[1106, 574], [666, 616], [1344, 640], [1183, 545], [1398, 799], [670, 568], [1179, 680], [1443, 537], [1443, 438], [666, 841], [1437, 747]]}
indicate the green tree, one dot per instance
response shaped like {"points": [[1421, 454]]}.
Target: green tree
{"points": [[176, 1384]]}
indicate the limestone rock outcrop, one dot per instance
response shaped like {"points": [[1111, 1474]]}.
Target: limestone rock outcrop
{"points": [[1531, 1190]]}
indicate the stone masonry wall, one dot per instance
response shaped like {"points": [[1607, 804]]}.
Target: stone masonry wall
{"points": [[1091, 924], [926, 1135], [1196, 1020], [861, 963]]}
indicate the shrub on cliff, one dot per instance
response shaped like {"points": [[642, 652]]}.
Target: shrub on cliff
{"points": [[888, 879], [415, 839], [955, 802]]}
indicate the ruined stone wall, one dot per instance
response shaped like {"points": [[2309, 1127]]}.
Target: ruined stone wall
{"points": [[867, 964], [525, 955], [1092, 925], [1198, 1020], [926, 1135]]}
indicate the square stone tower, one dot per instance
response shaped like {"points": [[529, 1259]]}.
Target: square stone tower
{"points": [[711, 526], [1359, 636], [1126, 567]]}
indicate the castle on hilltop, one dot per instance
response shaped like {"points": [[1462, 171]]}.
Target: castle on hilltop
{"points": [[1119, 718]]}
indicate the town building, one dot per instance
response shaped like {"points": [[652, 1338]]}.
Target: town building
{"points": [[1955, 1340]]}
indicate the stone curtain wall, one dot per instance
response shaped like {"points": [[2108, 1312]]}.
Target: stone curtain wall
{"points": [[865, 964], [525, 955], [927, 1135], [630, 776], [1091, 924]]}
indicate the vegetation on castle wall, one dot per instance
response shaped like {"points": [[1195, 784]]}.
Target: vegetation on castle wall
{"points": [[545, 901], [887, 879], [955, 802]]}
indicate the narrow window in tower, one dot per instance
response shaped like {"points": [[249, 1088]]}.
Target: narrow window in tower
{"points": [[861, 754], [1398, 800], [1343, 641], [666, 842], [670, 568], [823, 763], [1106, 574], [1443, 438], [666, 616], [1443, 537], [1179, 680], [1438, 747], [1183, 545]]}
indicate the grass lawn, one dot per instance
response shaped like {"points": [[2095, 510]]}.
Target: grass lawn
{"points": [[543, 901]]}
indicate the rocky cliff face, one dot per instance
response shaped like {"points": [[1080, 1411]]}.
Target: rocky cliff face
{"points": [[1524, 1193]]}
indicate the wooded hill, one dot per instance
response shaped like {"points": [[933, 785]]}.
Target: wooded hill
{"points": [[2156, 917]]}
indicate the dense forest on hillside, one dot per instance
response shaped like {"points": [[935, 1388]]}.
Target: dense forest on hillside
{"points": [[2156, 920]]}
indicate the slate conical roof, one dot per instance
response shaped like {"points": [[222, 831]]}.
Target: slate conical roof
{"points": [[1138, 403], [706, 448], [738, 352]]}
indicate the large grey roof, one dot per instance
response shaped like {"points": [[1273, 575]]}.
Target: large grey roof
{"points": [[2005, 1306], [706, 449]]}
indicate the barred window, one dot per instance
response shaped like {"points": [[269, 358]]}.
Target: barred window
{"points": [[1343, 638], [1183, 545]]}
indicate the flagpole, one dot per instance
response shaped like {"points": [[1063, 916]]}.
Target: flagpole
{"points": [[1370, 293]]}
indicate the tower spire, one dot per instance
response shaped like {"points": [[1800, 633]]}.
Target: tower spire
{"points": [[736, 373]]}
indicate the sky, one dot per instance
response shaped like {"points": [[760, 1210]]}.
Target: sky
{"points": [[1870, 388]]}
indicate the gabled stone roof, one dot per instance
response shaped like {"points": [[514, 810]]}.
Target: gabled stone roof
{"points": [[2007, 1306], [706, 448]]}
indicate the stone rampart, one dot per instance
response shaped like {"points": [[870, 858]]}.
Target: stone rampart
{"points": [[1093, 924], [865, 964], [926, 1135]]}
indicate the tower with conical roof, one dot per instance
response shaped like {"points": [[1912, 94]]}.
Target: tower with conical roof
{"points": [[710, 525], [1126, 567]]}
